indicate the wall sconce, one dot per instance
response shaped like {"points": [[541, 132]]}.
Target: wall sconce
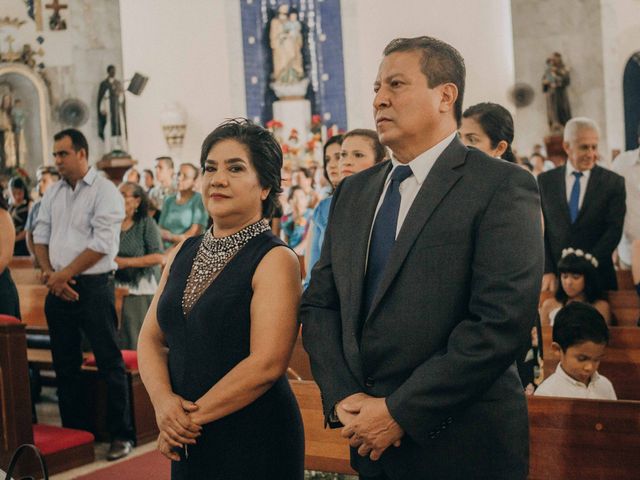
{"points": [[174, 125]]}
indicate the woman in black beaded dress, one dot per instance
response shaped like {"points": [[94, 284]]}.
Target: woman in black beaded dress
{"points": [[216, 342]]}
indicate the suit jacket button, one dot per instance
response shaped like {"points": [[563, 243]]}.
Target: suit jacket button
{"points": [[369, 382]]}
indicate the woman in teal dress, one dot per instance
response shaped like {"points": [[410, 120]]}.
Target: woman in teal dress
{"points": [[183, 214]]}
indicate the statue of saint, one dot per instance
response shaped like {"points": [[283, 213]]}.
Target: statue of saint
{"points": [[8, 153], [18, 120], [111, 111], [555, 81], [285, 38]]}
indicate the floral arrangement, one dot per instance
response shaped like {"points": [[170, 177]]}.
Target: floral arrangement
{"points": [[580, 253], [295, 153]]}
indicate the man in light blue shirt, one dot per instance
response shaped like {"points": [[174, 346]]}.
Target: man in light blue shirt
{"points": [[76, 239]]}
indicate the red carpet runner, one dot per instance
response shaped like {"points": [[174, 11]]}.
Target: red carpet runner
{"points": [[150, 465]]}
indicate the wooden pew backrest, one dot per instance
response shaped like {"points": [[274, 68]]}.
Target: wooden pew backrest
{"points": [[28, 276], [574, 439], [325, 449], [32, 298], [625, 307]]}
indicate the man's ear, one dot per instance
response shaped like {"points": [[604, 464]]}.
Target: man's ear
{"points": [[565, 146], [449, 97], [556, 349]]}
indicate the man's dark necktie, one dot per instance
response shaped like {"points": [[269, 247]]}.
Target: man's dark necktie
{"points": [[383, 235], [574, 199]]}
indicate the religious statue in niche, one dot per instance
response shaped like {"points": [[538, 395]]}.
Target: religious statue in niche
{"points": [[13, 147], [286, 42], [555, 81], [111, 112]]}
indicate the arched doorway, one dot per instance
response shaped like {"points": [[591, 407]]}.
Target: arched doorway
{"points": [[22, 83], [631, 89]]}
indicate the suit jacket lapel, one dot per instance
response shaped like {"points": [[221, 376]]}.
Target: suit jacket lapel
{"points": [[439, 181], [362, 223], [591, 191], [560, 194]]}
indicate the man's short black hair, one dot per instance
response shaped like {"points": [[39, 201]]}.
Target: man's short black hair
{"points": [[441, 63], [78, 140], [577, 323], [167, 160]]}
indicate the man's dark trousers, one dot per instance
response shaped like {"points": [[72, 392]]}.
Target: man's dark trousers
{"points": [[95, 314]]}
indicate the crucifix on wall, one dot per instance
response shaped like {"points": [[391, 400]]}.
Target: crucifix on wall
{"points": [[56, 22]]}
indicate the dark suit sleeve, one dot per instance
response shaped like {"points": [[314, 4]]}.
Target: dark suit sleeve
{"points": [[549, 262], [506, 271], [322, 329], [616, 209]]}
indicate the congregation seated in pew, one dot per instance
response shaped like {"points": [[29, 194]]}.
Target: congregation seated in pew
{"points": [[580, 337], [578, 283]]}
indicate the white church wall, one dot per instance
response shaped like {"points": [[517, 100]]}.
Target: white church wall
{"points": [[573, 28], [621, 39], [75, 59], [481, 31], [193, 56]]}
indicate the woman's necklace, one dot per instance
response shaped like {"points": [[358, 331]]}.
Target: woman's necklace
{"points": [[212, 256]]}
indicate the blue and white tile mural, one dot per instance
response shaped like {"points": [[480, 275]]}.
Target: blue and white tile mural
{"points": [[293, 49]]}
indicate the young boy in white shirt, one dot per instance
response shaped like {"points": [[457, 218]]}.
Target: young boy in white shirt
{"points": [[580, 337]]}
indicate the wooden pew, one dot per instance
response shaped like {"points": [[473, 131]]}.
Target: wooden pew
{"points": [[625, 306], [15, 405], [621, 364], [20, 262], [575, 439], [142, 413], [299, 366], [325, 449], [26, 276], [32, 298], [625, 280], [571, 439]]}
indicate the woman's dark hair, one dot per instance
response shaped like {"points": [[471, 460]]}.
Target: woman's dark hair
{"points": [[379, 150], [497, 123], [576, 264], [336, 139], [264, 152], [19, 183], [577, 323], [138, 192]]}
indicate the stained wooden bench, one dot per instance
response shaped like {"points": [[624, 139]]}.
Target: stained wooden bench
{"points": [[142, 413], [625, 280], [621, 364], [299, 366], [32, 298], [20, 262], [570, 439], [575, 439], [26, 276], [625, 307], [62, 448], [325, 449]]}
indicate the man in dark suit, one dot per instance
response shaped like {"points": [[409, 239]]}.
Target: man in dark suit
{"points": [[426, 289], [583, 205]]}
